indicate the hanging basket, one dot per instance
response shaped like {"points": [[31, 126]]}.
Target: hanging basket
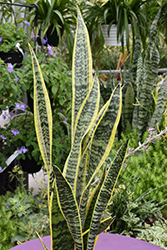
{"points": [[111, 40], [52, 36]]}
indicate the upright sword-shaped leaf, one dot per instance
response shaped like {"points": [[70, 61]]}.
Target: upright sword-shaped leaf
{"points": [[81, 69], [42, 113]]}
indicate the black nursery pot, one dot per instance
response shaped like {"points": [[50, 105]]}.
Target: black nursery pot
{"points": [[30, 166], [12, 57], [52, 36]]}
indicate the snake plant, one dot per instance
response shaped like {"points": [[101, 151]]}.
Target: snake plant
{"points": [[76, 212], [140, 82]]}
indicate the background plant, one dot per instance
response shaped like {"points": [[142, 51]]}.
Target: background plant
{"points": [[120, 13], [20, 131], [58, 15], [132, 213], [143, 103], [21, 215], [58, 81], [11, 86], [10, 36], [149, 164]]}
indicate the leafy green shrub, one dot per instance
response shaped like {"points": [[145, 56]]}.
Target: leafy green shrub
{"points": [[24, 123], [21, 216], [58, 81]]}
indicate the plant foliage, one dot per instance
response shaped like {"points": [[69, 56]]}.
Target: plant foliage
{"points": [[93, 133]]}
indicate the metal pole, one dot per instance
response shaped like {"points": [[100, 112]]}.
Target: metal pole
{"points": [[118, 71]]}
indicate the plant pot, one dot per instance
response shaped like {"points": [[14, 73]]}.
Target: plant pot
{"points": [[105, 241], [111, 40], [30, 166], [12, 57], [52, 36]]}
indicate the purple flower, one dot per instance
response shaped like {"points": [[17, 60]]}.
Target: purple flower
{"points": [[17, 105], [0, 39], [11, 115], [50, 49], [15, 132], [61, 110], [7, 206], [23, 107], [26, 22], [65, 119], [0, 169], [22, 150], [3, 116], [16, 79], [10, 67], [3, 137], [45, 40]]}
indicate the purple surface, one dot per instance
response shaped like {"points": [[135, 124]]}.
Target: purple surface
{"points": [[105, 241]]}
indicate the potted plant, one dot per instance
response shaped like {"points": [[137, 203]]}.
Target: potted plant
{"points": [[13, 43], [54, 17], [118, 15]]}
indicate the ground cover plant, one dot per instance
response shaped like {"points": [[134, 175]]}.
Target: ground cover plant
{"points": [[148, 163]]}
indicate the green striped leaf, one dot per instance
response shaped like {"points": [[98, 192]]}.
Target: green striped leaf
{"points": [[160, 107], [42, 113], [153, 32], [86, 148], [61, 237], [84, 121], [145, 98], [137, 50], [81, 69], [103, 226], [127, 110], [139, 72], [69, 207], [91, 201], [106, 193], [104, 133], [139, 79], [155, 58], [142, 111], [81, 179]]}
